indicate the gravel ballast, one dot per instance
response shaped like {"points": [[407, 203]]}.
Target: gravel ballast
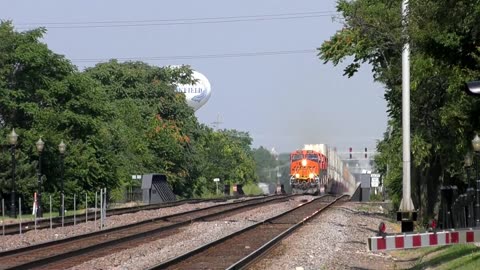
{"points": [[36, 237], [337, 239], [334, 240], [191, 237]]}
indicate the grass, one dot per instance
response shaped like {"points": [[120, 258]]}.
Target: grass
{"points": [[447, 257], [248, 189], [252, 189]]}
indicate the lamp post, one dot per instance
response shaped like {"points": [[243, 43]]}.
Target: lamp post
{"points": [[13, 138], [468, 164], [40, 146], [476, 148], [61, 148], [470, 191]]}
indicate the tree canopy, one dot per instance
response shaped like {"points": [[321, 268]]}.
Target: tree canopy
{"points": [[444, 37], [265, 165], [117, 119]]}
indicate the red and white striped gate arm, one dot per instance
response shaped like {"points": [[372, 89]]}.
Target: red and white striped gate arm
{"points": [[429, 239]]}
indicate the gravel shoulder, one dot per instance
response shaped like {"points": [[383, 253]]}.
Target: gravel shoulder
{"points": [[337, 239]]}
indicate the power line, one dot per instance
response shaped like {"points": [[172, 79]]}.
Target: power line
{"points": [[188, 21], [204, 56], [180, 23]]}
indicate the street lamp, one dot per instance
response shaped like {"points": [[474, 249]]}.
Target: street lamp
{"points": [[476, 148], [13, 138], [473, 87], [61, 148], [40, 146]]}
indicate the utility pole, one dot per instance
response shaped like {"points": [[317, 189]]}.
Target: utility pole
{"points": [[406, 213], [216, 124]]}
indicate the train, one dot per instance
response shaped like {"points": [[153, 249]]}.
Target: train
{"points": [[317, 169]]}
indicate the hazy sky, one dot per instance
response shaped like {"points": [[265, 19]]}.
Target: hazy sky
{"points": [[283, 101]]}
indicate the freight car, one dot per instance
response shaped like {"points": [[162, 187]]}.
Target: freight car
{"points": [[316, 169]]}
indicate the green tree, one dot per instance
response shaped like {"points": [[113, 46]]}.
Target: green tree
{"points": [[225, 154], [444, 55], [42, 95], [265, 165], [117, 119], [153, 126]]}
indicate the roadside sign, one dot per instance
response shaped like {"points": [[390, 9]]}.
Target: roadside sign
{"points": [[216, 180], [375, 179]]}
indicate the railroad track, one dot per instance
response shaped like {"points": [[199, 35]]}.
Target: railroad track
{"points": [[69, 252], [241, 248], [43, 223]]}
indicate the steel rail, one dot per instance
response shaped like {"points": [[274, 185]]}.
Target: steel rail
{"points": [[168, 223], [42, 223], [174, 262], [263, 250]]}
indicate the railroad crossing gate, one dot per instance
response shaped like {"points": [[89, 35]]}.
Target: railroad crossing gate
{"points": [[419, 240]]}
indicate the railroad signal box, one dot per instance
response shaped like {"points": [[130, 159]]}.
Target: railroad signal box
{"points": [[365, 187], [155, 189], [226, 190], [238, 190]]}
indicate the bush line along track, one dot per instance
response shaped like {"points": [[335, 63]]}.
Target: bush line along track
{"points": [[242, 248], [71, 251], [44, 222]]}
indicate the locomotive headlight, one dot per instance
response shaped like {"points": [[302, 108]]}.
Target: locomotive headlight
{"points": [[297, 175], [304, 162], [311, 175]]}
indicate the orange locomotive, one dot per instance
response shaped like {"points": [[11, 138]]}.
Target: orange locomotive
{"points": [[308, 171]]}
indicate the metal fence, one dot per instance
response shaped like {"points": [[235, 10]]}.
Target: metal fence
{"points": [[458, 210], [98, 205]]}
